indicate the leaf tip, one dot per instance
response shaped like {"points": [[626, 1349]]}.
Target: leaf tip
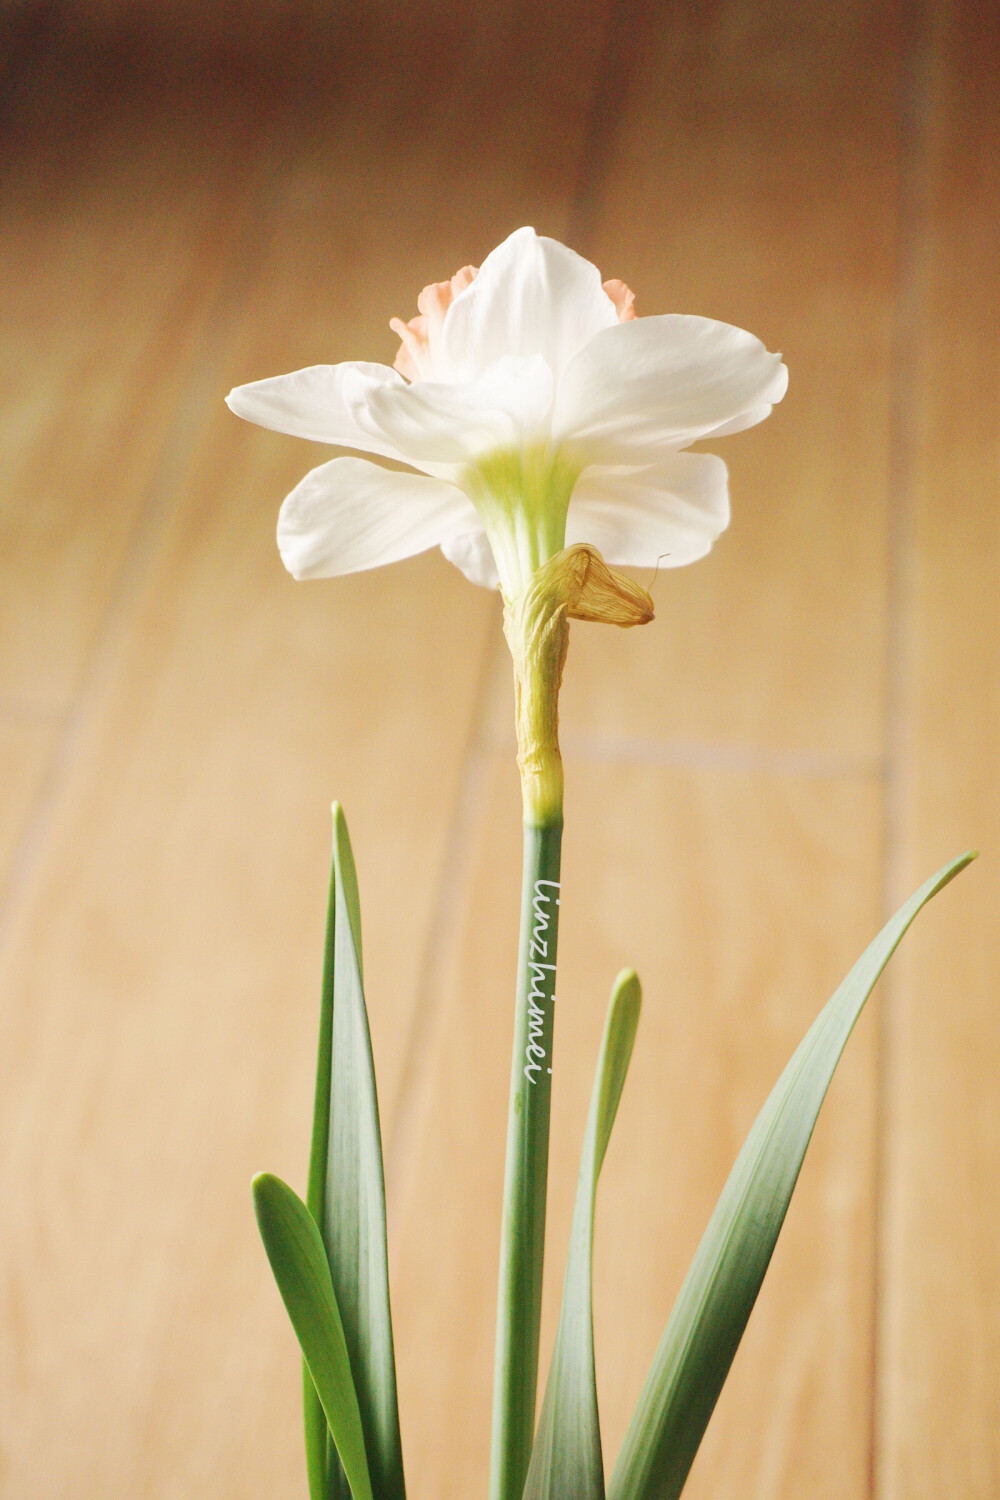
{"points": [[957, 865], [271, 1197], [627, 990], [341, 838], [342, 851], [262, 1186]]}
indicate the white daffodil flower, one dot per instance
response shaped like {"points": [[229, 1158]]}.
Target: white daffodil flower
{"points": [[538, 412]]}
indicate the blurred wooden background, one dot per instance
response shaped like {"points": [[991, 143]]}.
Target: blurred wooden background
{"points": [[198, 196]]}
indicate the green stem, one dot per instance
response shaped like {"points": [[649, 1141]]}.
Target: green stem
{"points": [[522, 1242]]}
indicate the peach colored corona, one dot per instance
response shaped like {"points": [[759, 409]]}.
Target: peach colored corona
{"points": [[421, 336]]}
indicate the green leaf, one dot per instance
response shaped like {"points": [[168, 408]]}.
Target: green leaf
{"points": [[298, 1260], [715, 1301], [326, 1475], [346, 1193], [566, 1461], [327, 1480]]}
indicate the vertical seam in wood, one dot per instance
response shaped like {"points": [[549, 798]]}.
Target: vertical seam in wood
{"points": [[627, 27], [912, 153]]}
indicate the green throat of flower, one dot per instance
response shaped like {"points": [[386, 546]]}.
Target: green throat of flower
{"points": [[522, 496]]}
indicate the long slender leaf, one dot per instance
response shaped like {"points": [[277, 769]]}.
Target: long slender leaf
{"points": [[346, 1195], [711, 1313], [566, 1460], [346, 1179], [327, 1480], [298, 1260]]}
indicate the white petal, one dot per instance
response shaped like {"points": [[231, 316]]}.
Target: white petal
{"points": [[661, 383], [743, 421], [473, 554], [349, 515], [309, 403], [428, 422], [669, 514], [532, 296]]}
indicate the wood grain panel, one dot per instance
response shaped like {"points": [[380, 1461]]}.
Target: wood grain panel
{"points": [[754, 179], [940, 1365], [183, 211], [742, 899]]}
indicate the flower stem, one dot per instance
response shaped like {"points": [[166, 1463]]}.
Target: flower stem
{"points": [[522, 1242], [571, 583]]}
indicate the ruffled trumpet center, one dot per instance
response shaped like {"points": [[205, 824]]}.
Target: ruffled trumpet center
{"points": [[421, 355], [623, 298]]}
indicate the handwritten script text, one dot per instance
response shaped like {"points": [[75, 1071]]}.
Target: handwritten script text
{"points": [[538, 967]]}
